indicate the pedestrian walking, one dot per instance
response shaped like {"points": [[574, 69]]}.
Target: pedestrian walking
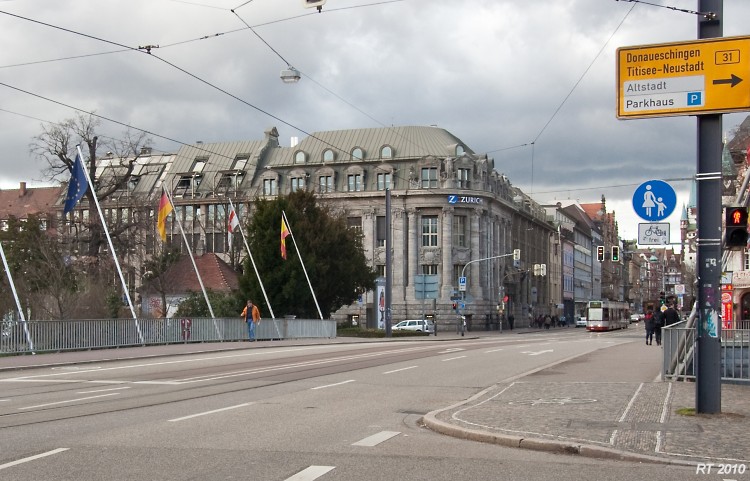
{"points": [[547, 321], [671, 316], [251, 314], [649, 325], [658, 323], [511, 319]]}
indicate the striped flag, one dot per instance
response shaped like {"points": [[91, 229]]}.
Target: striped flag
{"points": [[284, 233], [165, 208]]}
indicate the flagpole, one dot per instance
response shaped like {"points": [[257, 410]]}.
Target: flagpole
{"points": [[18, 302], [252, 261], [111, 246], [195, 267], [303, 264]]}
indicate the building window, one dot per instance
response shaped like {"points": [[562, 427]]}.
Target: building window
{"points": [[358, 154], [459, 231], [354, 223], [460, 150], [463, 176], [429, 231], [386, 152], [199, 163], [328, 155], [457, 270], [429, 269], [325, 184], [240, 163], [230, 180], [384, 181], [354, 181], [187, 185], [380, 269], [300, 157], [297, 183], [380, 231], [269, 186], [429, 177]]}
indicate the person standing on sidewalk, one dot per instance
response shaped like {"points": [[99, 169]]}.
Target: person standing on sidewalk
{"points": [[511, 319], [649, 325], [658, 323], [251, 314]]}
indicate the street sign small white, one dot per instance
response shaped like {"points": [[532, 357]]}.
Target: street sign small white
{"points": [[653, 233]]}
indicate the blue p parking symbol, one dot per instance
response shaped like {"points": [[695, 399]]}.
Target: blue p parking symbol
{"points": [[694, 98]]}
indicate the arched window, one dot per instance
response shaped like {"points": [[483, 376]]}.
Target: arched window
{"points": [[460, 150], [386, 152], [358, 154], [300, 157], [328, 155]]}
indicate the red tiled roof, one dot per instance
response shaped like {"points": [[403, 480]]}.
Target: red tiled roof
{"points": [[216, 275], [592, 210], [21, 203]]}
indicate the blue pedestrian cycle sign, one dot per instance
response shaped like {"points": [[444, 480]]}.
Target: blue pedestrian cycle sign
{"points": [[654, 200]]}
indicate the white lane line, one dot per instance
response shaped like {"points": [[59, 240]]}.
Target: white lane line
{"points": [[209, 412], [32, 458], [399, 370], [69, 401], [332, 385], [376, 439], [493, 350], [452, 358], [624, 415], [311, 473], [103, 390], [4, 400]]}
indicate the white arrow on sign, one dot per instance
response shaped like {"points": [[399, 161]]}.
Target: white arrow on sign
{"points": [[532, 353]]}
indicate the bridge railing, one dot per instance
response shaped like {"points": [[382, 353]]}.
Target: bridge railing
{"points": [[679, 353], [18, 337]]}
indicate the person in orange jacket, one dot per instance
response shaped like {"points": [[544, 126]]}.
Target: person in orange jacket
{"points": [[251, 314]]}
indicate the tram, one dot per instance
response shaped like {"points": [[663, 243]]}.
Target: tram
{"points": [[607, 315]]}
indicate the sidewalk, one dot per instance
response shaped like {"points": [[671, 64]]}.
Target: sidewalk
{"points": [[569, 410]]}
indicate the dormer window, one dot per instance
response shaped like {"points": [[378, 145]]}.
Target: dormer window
{"points": [[460, 150], [239, 163], [328, 155], [386, 152], [300, 157], [358, 154], [199, 163]]}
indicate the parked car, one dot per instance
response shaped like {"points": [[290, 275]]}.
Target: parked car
{"points": [[635, 318], [415, 325], [581, 322]]}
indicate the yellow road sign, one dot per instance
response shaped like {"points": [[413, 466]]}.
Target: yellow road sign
{"points": [[685, 78]]}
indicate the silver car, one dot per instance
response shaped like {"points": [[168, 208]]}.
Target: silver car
{"points": [[415, 325]]}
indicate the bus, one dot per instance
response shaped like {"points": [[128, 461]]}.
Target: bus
{"points": [[607, 315]]}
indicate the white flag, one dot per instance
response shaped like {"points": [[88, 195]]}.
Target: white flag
{"points": [[234, 223]]}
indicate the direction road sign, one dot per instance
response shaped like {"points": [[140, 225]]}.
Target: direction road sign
{"points": [[654, 200], [684, 78]]}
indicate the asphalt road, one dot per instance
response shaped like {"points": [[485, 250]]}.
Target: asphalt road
{"points": [[328, 412]]}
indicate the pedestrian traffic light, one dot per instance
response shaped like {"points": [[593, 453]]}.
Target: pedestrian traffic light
{"points": [[516, 254], [615, 253], [600, 253], [736, 226], [662, 298], [455, 306]]}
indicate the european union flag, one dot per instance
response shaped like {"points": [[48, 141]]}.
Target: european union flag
{"points": [[77, 186]]}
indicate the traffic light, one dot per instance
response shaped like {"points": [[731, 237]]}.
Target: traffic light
{"points": [[600, 253], [516, 254], [615, 253], [736, 226], [455, 306], [662, 298]]}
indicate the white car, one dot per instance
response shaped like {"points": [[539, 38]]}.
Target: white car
{"points": [[415, 325], [581, 322]]}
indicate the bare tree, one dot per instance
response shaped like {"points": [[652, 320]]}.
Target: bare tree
{"points": [[56, 145]]}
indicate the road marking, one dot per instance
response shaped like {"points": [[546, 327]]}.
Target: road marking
{"points": [[399, 370], [453, 349], [311, 473], [32, 458], [69, 401], [452, 358], [376, 439], [103, 390], [493, 350], [208, 412], [533, 353], [332, 385]]}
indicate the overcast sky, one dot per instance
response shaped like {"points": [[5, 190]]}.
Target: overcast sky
{"points": [[498, 74]]}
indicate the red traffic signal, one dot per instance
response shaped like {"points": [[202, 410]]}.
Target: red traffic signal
{"points": [[600, 253], [735, 219], [455, 306]]}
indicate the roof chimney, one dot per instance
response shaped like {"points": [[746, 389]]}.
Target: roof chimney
{"points": [[22, 189]]}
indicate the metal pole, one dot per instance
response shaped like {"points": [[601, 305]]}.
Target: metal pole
{"points": [[388, 264], [708, 345]]}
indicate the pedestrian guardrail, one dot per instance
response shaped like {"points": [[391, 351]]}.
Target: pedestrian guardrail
{"points": [[679, 353], [21, 337]]}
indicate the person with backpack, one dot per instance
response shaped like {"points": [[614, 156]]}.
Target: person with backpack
{"points": [[649, 325], [658, 324]]}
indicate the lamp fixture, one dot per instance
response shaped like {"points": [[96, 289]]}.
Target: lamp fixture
{"points": [[290, 75]]}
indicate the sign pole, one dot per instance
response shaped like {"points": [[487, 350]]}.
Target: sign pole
{"points": [[708, 346]]}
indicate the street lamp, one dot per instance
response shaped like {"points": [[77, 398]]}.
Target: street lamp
{"points": [[290, 75]]}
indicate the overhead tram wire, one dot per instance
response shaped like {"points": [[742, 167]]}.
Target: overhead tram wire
{"points": [[683, 10]]}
